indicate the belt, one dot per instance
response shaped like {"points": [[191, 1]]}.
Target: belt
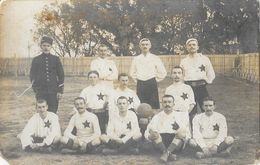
{"points": [[196, 83], [96, 110]]}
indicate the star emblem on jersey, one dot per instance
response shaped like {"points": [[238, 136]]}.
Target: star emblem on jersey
{"points": [[202, 68], [130, 100], [184, 96], [86, 124], [216, 127], [47, 124], [175, 126], [129, 126], [100, 96]]}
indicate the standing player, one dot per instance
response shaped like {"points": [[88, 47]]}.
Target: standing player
{"points": [[198, 72], [167, 130], [210, 132], [147, 69], [42, 130], [182, 93], [123, 90], [47, 76], [97, 98], [106, 68], [123, 131], [87, 128]]}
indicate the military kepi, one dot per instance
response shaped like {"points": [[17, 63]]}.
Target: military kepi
{"points": [[46, 39]]}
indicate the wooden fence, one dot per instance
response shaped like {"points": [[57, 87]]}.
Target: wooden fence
{"points": [[223, 64]]}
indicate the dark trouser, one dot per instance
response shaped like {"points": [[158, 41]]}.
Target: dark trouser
{"points": [[51, 99], [200, 92], [103, 120], [147, 91]]}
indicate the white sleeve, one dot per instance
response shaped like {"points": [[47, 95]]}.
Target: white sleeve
{"points": [[111, 129], [133, 70], [96, 129], [196, 132], [68, 131], [55, 131], [136, 101], [161, 71], [28, 131], [152, 126], [191, 94], [210, 72]]}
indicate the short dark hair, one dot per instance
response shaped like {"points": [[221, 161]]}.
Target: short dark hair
{"points": [[40, 101], [79, 98], [168, 96], [178, 67], [102, 45], [121, 98], [208, 98], [144, 39], [93, 72], [122, 75]]}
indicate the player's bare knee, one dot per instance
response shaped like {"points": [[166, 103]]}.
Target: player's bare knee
{"points": [[229, 140], [181, 134]]}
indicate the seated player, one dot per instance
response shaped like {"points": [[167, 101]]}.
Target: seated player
{"points": [[123, 90], [210, 132], [86, 127], [97, 98], [123, 132], [42, 132], [167, 131]]}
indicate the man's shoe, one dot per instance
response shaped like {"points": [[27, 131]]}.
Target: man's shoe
{"points": [[107, 151], [200, 155], [165, 156], [172, 157]]}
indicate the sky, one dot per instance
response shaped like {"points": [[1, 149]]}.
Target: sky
{"points": [[16, 22]]}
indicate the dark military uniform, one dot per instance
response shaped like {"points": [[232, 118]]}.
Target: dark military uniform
{"points": [[47, 77]]}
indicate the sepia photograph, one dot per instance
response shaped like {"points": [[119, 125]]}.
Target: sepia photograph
{"points": [[140, 82]]}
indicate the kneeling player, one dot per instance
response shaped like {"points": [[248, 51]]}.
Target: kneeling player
{"points": [[123, 132], [167, 130], [42, 132], [87, 130], [210, 132]]}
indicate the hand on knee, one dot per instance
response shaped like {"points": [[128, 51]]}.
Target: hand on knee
{"points": [[64, 140], [137, 137], [104, 138], [181, 133], [229, 140], [96, 142]]}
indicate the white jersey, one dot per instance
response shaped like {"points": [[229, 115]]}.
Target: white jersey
{"points": [[47, 128], [127, 126], [168, 123], [197, 68], [87, 127], [209, 130], [183, 96], [147, 67], [106, 68], [132, 97], [95, 96]]}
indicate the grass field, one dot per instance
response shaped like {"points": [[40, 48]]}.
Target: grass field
{"points": [[238, 101]]}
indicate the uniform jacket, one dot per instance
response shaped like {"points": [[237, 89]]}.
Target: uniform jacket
{"points": [[47, 74]]}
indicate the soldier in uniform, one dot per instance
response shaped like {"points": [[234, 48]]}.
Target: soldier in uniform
{"points": [[47, 76]]}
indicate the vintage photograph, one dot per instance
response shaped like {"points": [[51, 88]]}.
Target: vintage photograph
{"points": [[145, 82]]}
